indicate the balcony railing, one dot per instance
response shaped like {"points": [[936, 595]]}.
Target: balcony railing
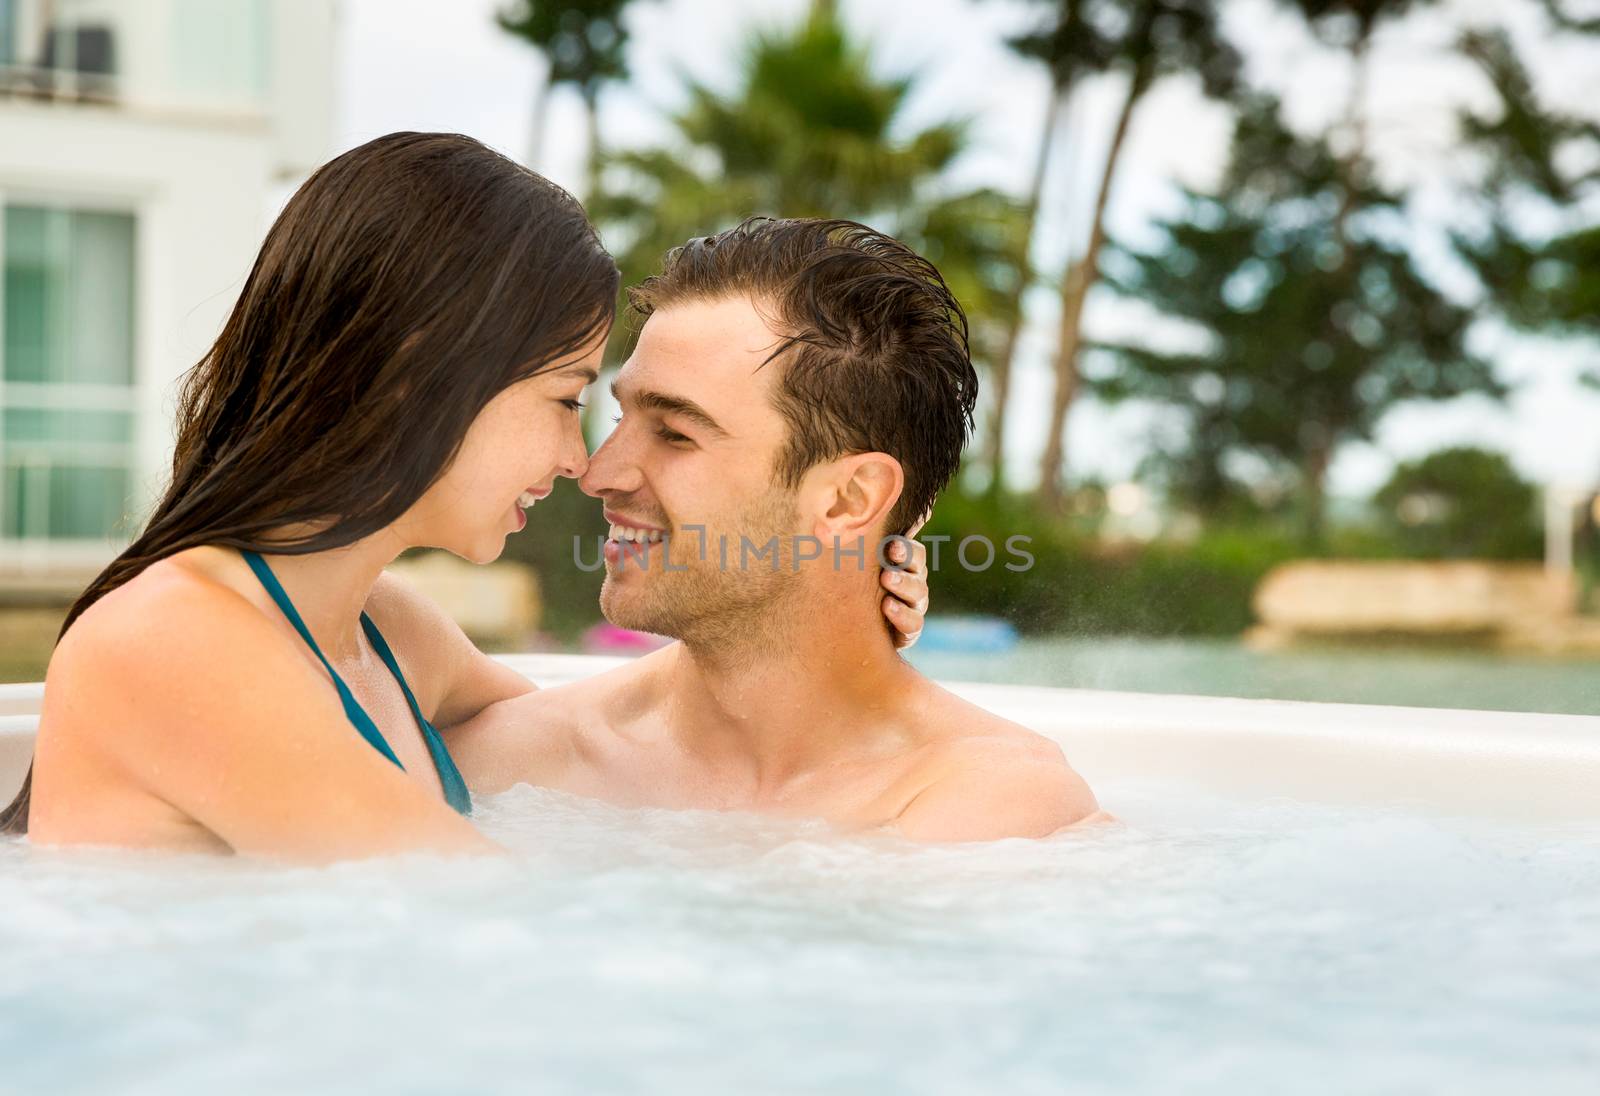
{"points": [[208, 56], [52, 51]]}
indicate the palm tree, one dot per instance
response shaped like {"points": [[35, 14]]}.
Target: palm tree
{"points": [[1069, 47], [584, 42], [812, 131], [1147, 40]]}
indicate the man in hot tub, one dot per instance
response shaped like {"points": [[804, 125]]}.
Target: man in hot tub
{"points": [[799, 391]]}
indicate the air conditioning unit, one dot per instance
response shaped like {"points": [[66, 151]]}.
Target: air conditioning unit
{"points": [[88, 53]]}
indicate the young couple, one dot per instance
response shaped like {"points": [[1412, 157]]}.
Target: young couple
{"points": [[403, 369]]}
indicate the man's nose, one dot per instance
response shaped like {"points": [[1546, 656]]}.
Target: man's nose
{"points": [[610, 470]]}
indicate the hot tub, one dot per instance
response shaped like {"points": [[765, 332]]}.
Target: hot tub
{"points": [[1301, 897]]}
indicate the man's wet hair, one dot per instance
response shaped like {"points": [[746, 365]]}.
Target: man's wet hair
{"points": [[874, 346]]}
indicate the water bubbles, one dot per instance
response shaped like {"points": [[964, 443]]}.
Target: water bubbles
{"points": [[1205, 945]]}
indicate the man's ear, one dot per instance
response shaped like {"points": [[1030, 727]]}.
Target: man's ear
{"points": [[856, 493]]}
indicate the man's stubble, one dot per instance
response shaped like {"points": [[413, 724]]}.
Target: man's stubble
{"points": [[731, 604]]}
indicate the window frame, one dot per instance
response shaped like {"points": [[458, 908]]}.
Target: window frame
{"points": [[57, 553]]}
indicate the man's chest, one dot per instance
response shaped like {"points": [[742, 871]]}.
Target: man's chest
{"points": [[635, 770]]}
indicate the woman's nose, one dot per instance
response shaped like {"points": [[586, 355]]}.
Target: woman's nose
{"points": [[575, 455]]}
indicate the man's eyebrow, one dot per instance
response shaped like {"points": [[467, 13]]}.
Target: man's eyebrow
{"points": [[660, 401]]}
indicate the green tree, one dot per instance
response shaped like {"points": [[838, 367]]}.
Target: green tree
{"points": [[810, 130], [585, 45], [1300, 319], [1144, 41], [1561, 15], [1539, 168], [1352, 25], [1461, 503]]}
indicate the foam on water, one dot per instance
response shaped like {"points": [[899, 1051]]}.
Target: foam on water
{"points": [[1198, 947]]}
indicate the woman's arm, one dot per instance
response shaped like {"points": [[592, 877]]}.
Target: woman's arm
{"points": [[452, 679]]}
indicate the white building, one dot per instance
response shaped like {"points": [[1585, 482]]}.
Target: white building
{"points": [[142, 146]]}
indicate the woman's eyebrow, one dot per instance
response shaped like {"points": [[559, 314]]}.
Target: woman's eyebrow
{"points": [[589, 375], [660, 401]]}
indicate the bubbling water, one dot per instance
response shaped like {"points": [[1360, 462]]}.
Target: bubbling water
{"points": [[1199, 946]]}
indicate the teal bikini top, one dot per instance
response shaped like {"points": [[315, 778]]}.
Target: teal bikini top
{"points": [[455, 789]]}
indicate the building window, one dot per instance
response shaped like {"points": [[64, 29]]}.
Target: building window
{"points": [[220, 52], [8, 33], [66, 374]]}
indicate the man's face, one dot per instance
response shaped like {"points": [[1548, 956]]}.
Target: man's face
{"points": [[695, 447]]}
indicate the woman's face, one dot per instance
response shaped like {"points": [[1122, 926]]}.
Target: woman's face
{"points": [[520, 442]]}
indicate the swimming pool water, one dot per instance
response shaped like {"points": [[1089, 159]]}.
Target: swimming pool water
{"points": [[1353, 674], [1199, 947]]}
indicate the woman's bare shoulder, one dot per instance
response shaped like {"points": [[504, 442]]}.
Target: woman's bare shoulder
{"points": [[184, 687], [170, 598], [141, 646], [155, 678]]}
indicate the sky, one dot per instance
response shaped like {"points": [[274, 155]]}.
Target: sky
{"points": [[420, 64]]}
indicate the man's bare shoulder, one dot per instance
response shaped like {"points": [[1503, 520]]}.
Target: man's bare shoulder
{"points": [[535, 738], [613, 696], [984, 777]]}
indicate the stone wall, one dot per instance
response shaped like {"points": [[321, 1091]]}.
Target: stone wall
{"points": [[1511, 605]]}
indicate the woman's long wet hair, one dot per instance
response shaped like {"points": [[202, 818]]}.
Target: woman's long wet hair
{"points": [[407, 283]]}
